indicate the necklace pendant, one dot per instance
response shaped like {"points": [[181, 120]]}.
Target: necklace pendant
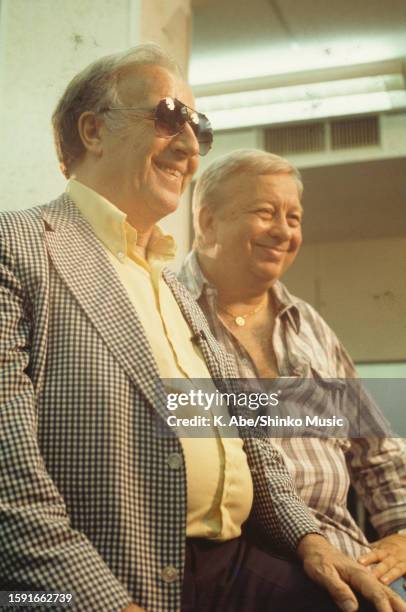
{"points": [[240, 321]]}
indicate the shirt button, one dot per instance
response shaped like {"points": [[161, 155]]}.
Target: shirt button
{"points": [[175, 461], [121, 255], [169, 574]]}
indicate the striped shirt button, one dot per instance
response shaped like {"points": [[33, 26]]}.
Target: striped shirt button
{"points": [[175, 461], [169, 574]]}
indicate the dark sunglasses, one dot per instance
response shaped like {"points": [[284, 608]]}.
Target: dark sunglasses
{"points": [[170, 117]]}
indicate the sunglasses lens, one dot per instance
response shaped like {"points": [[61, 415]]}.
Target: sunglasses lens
{"points": [[204, 134], [169, 119], [203, 131], [171, 116]]}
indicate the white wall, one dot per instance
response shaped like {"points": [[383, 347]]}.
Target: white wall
{"points": [[224, 142], [44, 43]]}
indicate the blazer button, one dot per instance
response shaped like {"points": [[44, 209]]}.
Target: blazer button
{"points": [[169, 574], [175, 461]]}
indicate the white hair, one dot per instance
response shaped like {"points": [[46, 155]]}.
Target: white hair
{"points": [[252, 162]]}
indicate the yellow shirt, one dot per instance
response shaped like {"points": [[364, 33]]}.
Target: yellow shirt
{"points": [[219, 484]]}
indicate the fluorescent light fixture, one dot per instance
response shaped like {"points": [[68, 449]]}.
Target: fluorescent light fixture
{"points": [[302, 102], [229, 63]]}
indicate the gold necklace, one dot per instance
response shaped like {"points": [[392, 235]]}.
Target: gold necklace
{"points": [[239, 320]]}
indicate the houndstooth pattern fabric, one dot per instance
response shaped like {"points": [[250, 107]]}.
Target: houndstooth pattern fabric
{"points": [[90, 500]]}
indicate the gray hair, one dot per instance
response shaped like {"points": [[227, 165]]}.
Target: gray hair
{"points": [[251, 162], [95, 88]]}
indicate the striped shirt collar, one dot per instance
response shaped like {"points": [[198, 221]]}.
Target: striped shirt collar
{"points": [[192, 276]]}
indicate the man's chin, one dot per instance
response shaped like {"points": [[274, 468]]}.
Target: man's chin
{"points": [[171, 205], [268, 274], [164, 204]]}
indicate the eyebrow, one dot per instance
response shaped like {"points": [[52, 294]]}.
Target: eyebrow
{"points": [[273, 203]]}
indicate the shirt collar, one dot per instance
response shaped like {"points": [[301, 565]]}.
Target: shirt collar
{"points": [[287, 305], [110, 225], [192, 276]]}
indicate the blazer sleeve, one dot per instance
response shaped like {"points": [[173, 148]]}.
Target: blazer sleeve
{"points": [[278, 510], [39, 550]]}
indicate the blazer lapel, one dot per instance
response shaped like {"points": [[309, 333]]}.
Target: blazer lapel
{"points": [[221, 365], [82, 263]]}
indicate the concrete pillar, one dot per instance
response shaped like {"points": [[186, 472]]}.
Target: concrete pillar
{"points": [[43, 44], [168, 23]]}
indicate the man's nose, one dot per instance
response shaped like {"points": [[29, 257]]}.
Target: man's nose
{"points": [[280, 227], [186, 142]]}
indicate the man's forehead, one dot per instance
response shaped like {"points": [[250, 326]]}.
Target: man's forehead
{"points": [[256, 186], [245, 190], [147, 84]]}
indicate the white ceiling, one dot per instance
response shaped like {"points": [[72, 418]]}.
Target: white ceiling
{"points": [[234, 39]]}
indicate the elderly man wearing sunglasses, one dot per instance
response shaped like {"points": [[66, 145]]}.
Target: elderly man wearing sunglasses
{"points": [[93, 502]]}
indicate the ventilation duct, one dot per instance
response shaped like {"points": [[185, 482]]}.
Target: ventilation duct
{"points": [[316, 137]]}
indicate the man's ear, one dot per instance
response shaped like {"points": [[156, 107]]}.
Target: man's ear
{"points": [[89, 125], [207, 224]]}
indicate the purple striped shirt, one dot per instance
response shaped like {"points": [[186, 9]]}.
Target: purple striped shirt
{"points": [[322, 468]]}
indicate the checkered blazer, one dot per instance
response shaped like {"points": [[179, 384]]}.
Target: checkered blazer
{"points": [[91, 501]]}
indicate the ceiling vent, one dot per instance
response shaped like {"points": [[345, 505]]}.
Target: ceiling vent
{"points": [[330, 135], [356, 132], [305, 138]]}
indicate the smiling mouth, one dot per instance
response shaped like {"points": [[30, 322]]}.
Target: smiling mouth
{"points": [[273, 253], [274, 249], [171, 173]]}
